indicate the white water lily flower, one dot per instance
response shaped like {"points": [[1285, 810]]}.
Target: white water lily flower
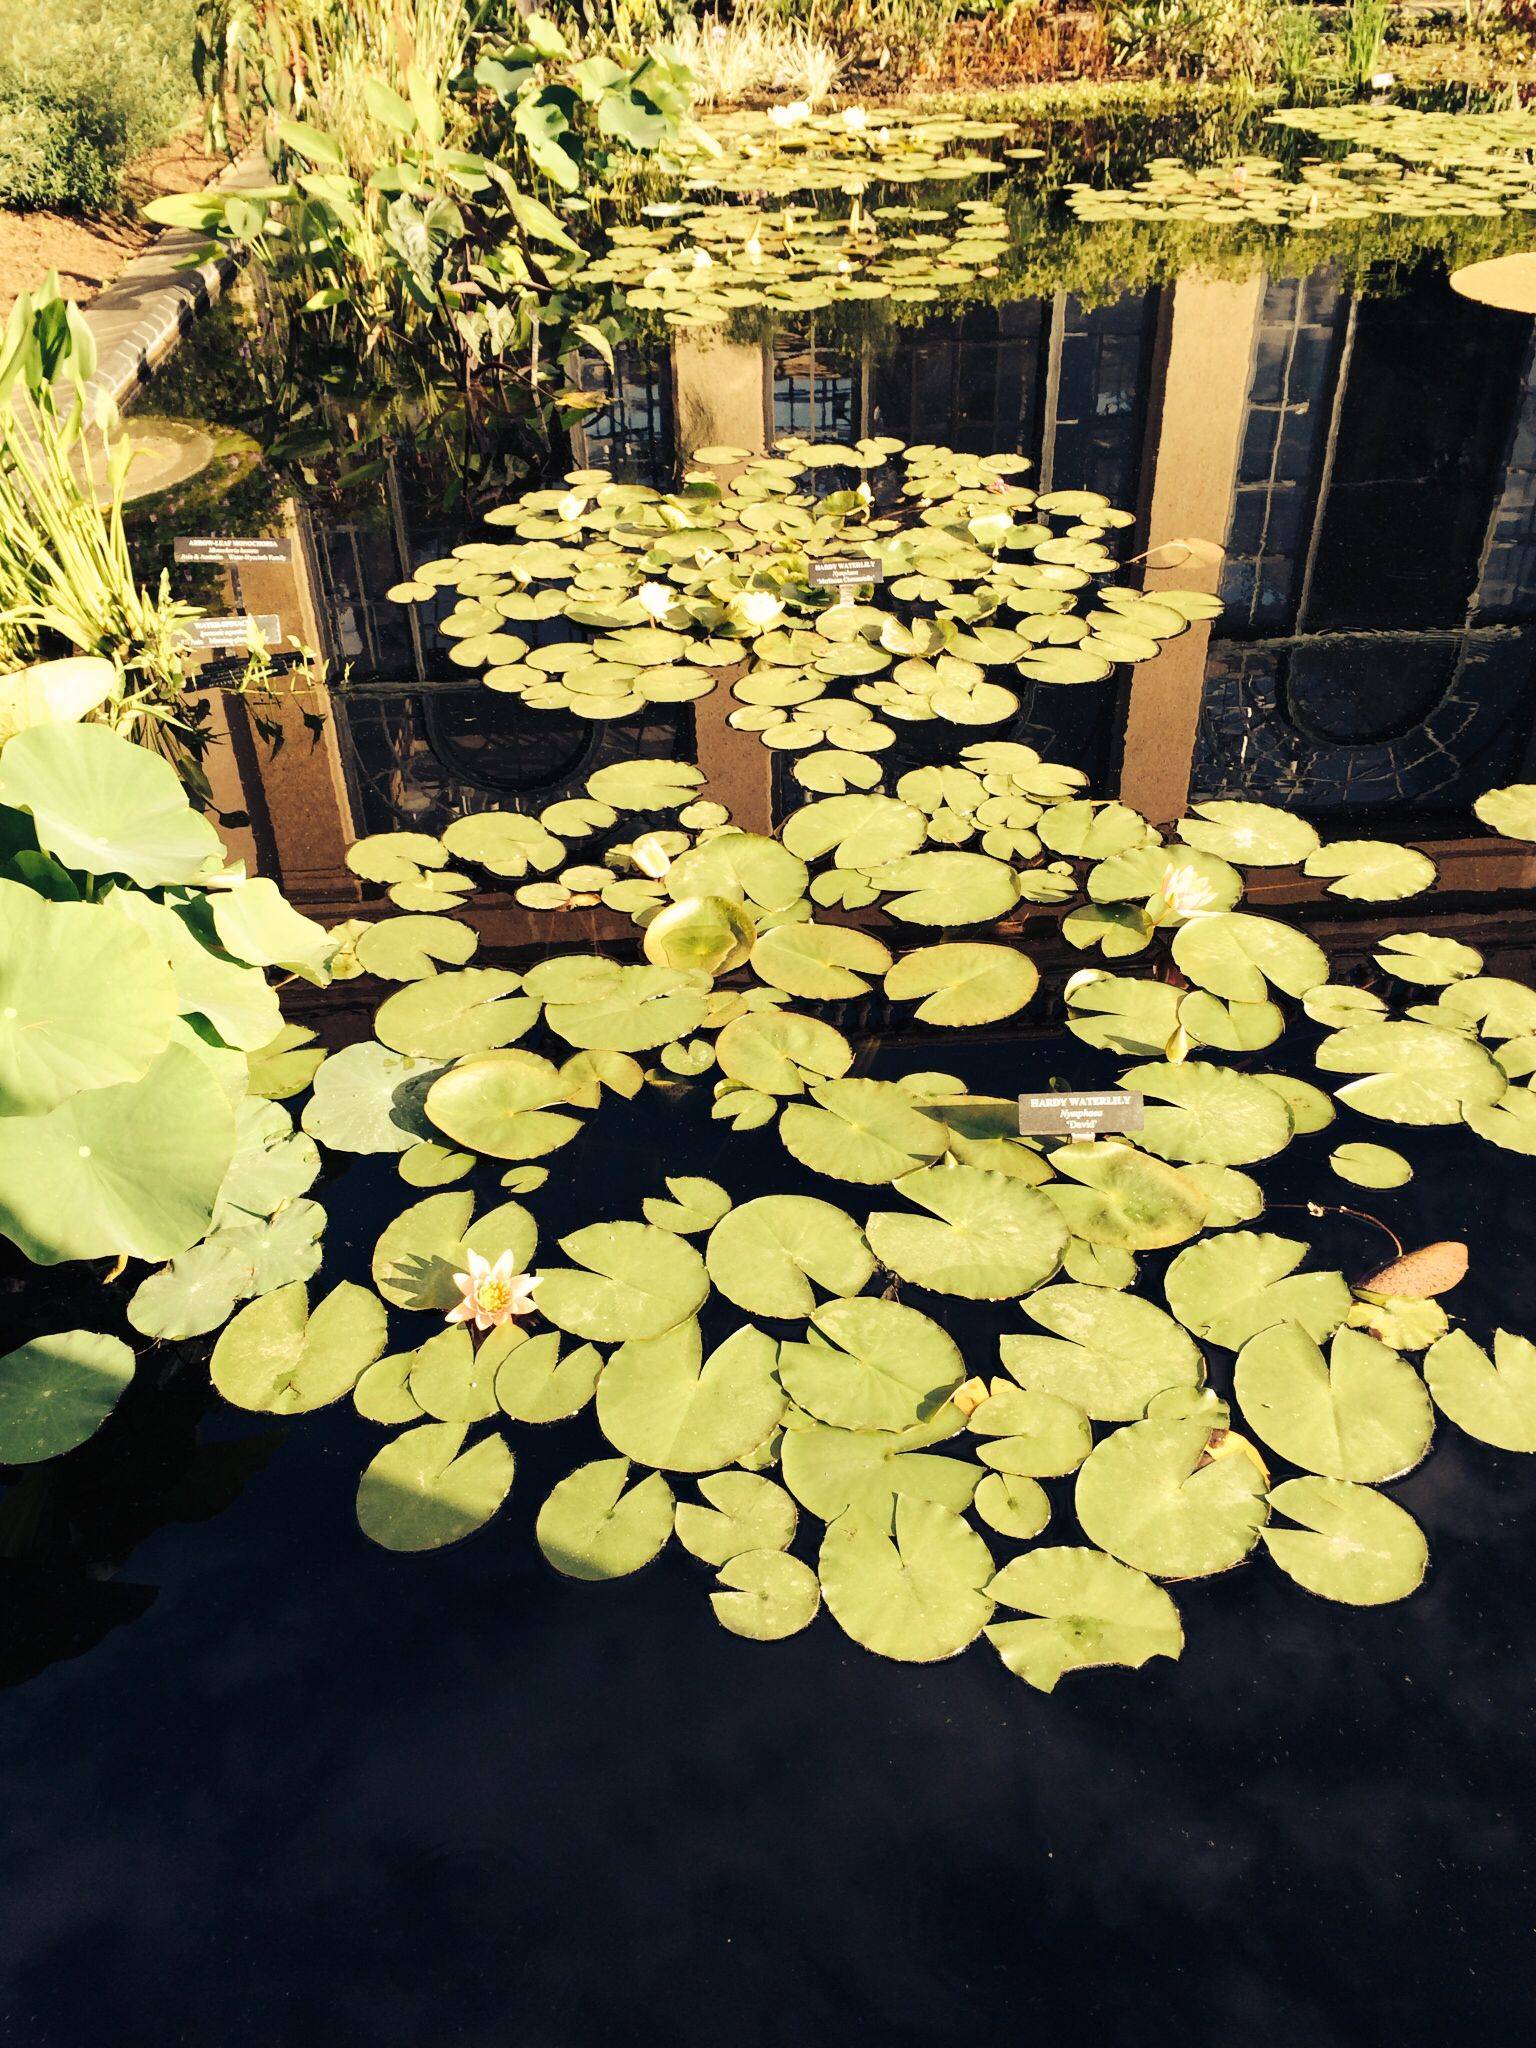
{"points": [[754, 250], [571, 506], [758, 608], [1186, 893], [790, 116], [651, 857], [658, 598], [702, 260], [492, 1293], [883, 137], [854, 120]]}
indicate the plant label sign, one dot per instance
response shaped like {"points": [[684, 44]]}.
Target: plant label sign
{"points": [[1080, 1115], [233, 550], [844, 573], [239, 629]]}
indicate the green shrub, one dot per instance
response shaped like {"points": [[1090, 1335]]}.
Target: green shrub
{"points": [[85, 86]]}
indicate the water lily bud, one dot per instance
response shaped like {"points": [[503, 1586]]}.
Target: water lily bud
{"points": [[651, 857], [658, 598]]}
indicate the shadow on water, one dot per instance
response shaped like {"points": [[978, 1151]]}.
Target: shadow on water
{"points": [[318, 1792]]}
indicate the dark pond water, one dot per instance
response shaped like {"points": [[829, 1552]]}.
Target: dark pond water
{"points": [[263, 1782]]}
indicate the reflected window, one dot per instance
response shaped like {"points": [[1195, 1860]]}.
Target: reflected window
{"points": [[632, 434], [817, 391]]}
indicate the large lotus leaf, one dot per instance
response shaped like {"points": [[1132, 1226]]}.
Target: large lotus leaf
{"points": [[277, 1357], [986, 1235], [1087, 1610], [824, 962], [859, 831], [256, 923], [57, 1391], [1251, 835], [871, 1364], [591, 1528], [1108, 1353], [766, 1595], [745, 1512], [1154, 1496], [286, 1064], [774, 1050], [57, 1034], [636, 1009], [1491, 1399], [1361, 1414], [947, 888], [104, 806], [1372, 870], [1412, 1073], [534, 1382], [56, 692], [369, 1099], [1352, 1545], [743, 867], [1510, 811], [409, 948], [1237, 955], [964, 985], [908, 1583], [235, 1000], [866, 1131], [764, 1255], [447, 1016], [424, 1490], [1039, 1436], [638, 1282], [1216, 1116], [1231, 1288], [661, 1402], [499, 1104], [1126, 1200], [135, 1168], [828, 1469]]}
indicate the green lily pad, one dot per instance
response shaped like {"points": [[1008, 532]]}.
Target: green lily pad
{"points": [[745, 1512], [500, 1104], [534, 1381], [764, 1255], [827, 1469], [449, 1015], [638, 1282], [1370, 1166], [697, 1205], [1013, 1504], [964, 985], [775, 1051], [908, 1585], [1151, 1496], [866, 1131], [1491, 1399], [1510, 811], [661, 1402], [1362, 1414], [57, 1391], [1213, 1115], [1036, 1436], [1107, 1355], [1372, 870], [1228, 1289], [947, 888], [766, 1595], [1352, 1545], [410, 948], [1236, 955], [279, 1358], [1411, 1073], [590, 1527], [871, 1364], [1127, 1201], [986, 1235], [1087, 1611], [424, 1490], [825, 962], [369, 1099], [630, 1009], [450, 1380], [1250, 835]]}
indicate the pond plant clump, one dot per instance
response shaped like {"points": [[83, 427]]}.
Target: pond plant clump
{"points": [[778, 1379]]}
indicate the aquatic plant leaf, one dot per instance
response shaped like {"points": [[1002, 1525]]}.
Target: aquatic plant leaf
{"points": [[499, 1104], [947, 888], [1427, 959], [745, 1512], [383, 1393], [986, 1236], [1154, 1496], [1013, 1504], [234, 1000], [417, 1254], [964, 985], [369, 1099], [1251, 835], [410, 948], [430, 1165], [878, 1365], [1087, 1611], [1127, 1201], [827, 1469], [860, 832], [1411, 1073], [389, 857], [631, 1009], [1213, 1114], [424, 1490], [1372, 870], [1509, 1123], [449, 1015], [1361, 1414], [1039, 1436], [1237, 955], [133, 1168], [591, 1528], [1352, 1545], [908, 1583], [866, 1131], [774, 1051], [256, 923], [638, 1282], [1337, 1004], [743, 867], [450, 1380], [534, 1382], [286, 1064], [1370, 1166], [662, 1402], [1231, 1027], [1310, 1108], [1108, 1353], [272, 1164], [766, 1595], [1118, 1013], [764, 1255], [645, 785], [103, 806], [505, 842], [278, 1357], [825, 962], [1228, 1289], [697, 1205], [1491, 1399], [1510, 811], [57, 1391]]}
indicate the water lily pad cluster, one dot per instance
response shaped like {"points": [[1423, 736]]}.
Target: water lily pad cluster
{"points": [[1261, 192], [791, 149], [1448, 142], [697, 264], [789, 1384], [612, 596]]}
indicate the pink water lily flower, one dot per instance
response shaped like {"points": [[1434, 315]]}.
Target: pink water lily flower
{"points": [[493, 1292]]}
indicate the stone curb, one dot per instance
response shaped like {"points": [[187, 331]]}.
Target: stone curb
{"points": [[152, 302]]}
